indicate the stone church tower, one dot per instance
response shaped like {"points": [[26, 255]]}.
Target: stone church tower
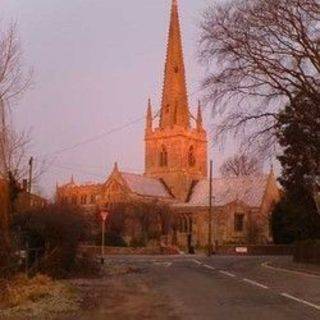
{"points": [[176, 150]]}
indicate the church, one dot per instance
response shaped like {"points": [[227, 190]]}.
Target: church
{"points": [[176, 171]]}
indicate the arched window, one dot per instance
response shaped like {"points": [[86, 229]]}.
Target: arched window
{"points": [[163, 157], [191, 157], [239, 222]]}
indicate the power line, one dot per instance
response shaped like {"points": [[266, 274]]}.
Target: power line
{"points": [[95, 138], [77, 170], [81, 166]]}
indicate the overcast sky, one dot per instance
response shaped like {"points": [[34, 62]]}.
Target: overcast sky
{"points": [[96, 62]]}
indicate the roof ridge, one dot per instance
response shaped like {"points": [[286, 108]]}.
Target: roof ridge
{"points": [[141, 175], [132, 173], [238, 178]]}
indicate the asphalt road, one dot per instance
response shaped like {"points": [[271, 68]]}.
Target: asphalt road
{"points": [[233, 288]]}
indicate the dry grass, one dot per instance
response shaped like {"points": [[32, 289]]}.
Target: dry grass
{"points": [[36, 298]]}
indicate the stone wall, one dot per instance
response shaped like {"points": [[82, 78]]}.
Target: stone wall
{"points": [[259, 250], [96, 250], [307, 252]]}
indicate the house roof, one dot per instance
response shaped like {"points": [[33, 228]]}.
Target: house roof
{"points": [[249, 190], [145, 186]]}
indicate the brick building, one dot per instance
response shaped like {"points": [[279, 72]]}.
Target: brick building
{"points": [[176, 170]]}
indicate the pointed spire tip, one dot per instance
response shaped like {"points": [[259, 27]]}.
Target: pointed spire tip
{"points": [[174, 105]]}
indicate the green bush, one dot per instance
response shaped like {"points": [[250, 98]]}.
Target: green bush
{"points": [[293, 220]]}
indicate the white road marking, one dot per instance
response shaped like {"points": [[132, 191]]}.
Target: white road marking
{"points": [[227, 273], [301, 301], [255, 283], [209, 267], [197, 262], [163, 264]]}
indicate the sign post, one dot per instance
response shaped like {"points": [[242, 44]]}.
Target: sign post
{"points": [[210, 212], [104, 215]]}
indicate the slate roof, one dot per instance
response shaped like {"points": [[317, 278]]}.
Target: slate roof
{"points": [[145, 186], [249, 190]]}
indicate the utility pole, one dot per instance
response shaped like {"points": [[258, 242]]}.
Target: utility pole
{"points": [[30, 175], [210, 211], [30, 182]]}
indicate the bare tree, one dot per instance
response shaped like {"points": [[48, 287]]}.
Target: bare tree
{"points": [[13, 149], [260, 54], [5, 239], [14, 80], [240, 165]]}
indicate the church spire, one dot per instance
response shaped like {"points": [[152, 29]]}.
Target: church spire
{"points": [[174, 106]]}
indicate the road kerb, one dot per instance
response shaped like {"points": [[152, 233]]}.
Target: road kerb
{"points": [[267, 265]]}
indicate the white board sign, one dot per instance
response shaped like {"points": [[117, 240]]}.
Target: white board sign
{"points": [[241, 250]]}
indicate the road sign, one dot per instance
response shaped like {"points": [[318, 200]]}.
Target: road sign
{"points": [[241, 250], [104, 215]]}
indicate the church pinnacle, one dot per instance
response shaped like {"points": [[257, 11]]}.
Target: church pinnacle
{"points": [[174, 106], [199, 117], [149, 116]]}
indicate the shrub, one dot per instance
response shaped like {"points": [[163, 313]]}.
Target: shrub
{"points": [[56, 230], [293, 220], [115, 240], [112, 239], [138, 242]]}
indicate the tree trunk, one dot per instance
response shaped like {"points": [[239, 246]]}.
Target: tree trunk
{"points": [[5, 238]]}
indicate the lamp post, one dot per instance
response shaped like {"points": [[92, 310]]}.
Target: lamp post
{"points": [[104, 215]]}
